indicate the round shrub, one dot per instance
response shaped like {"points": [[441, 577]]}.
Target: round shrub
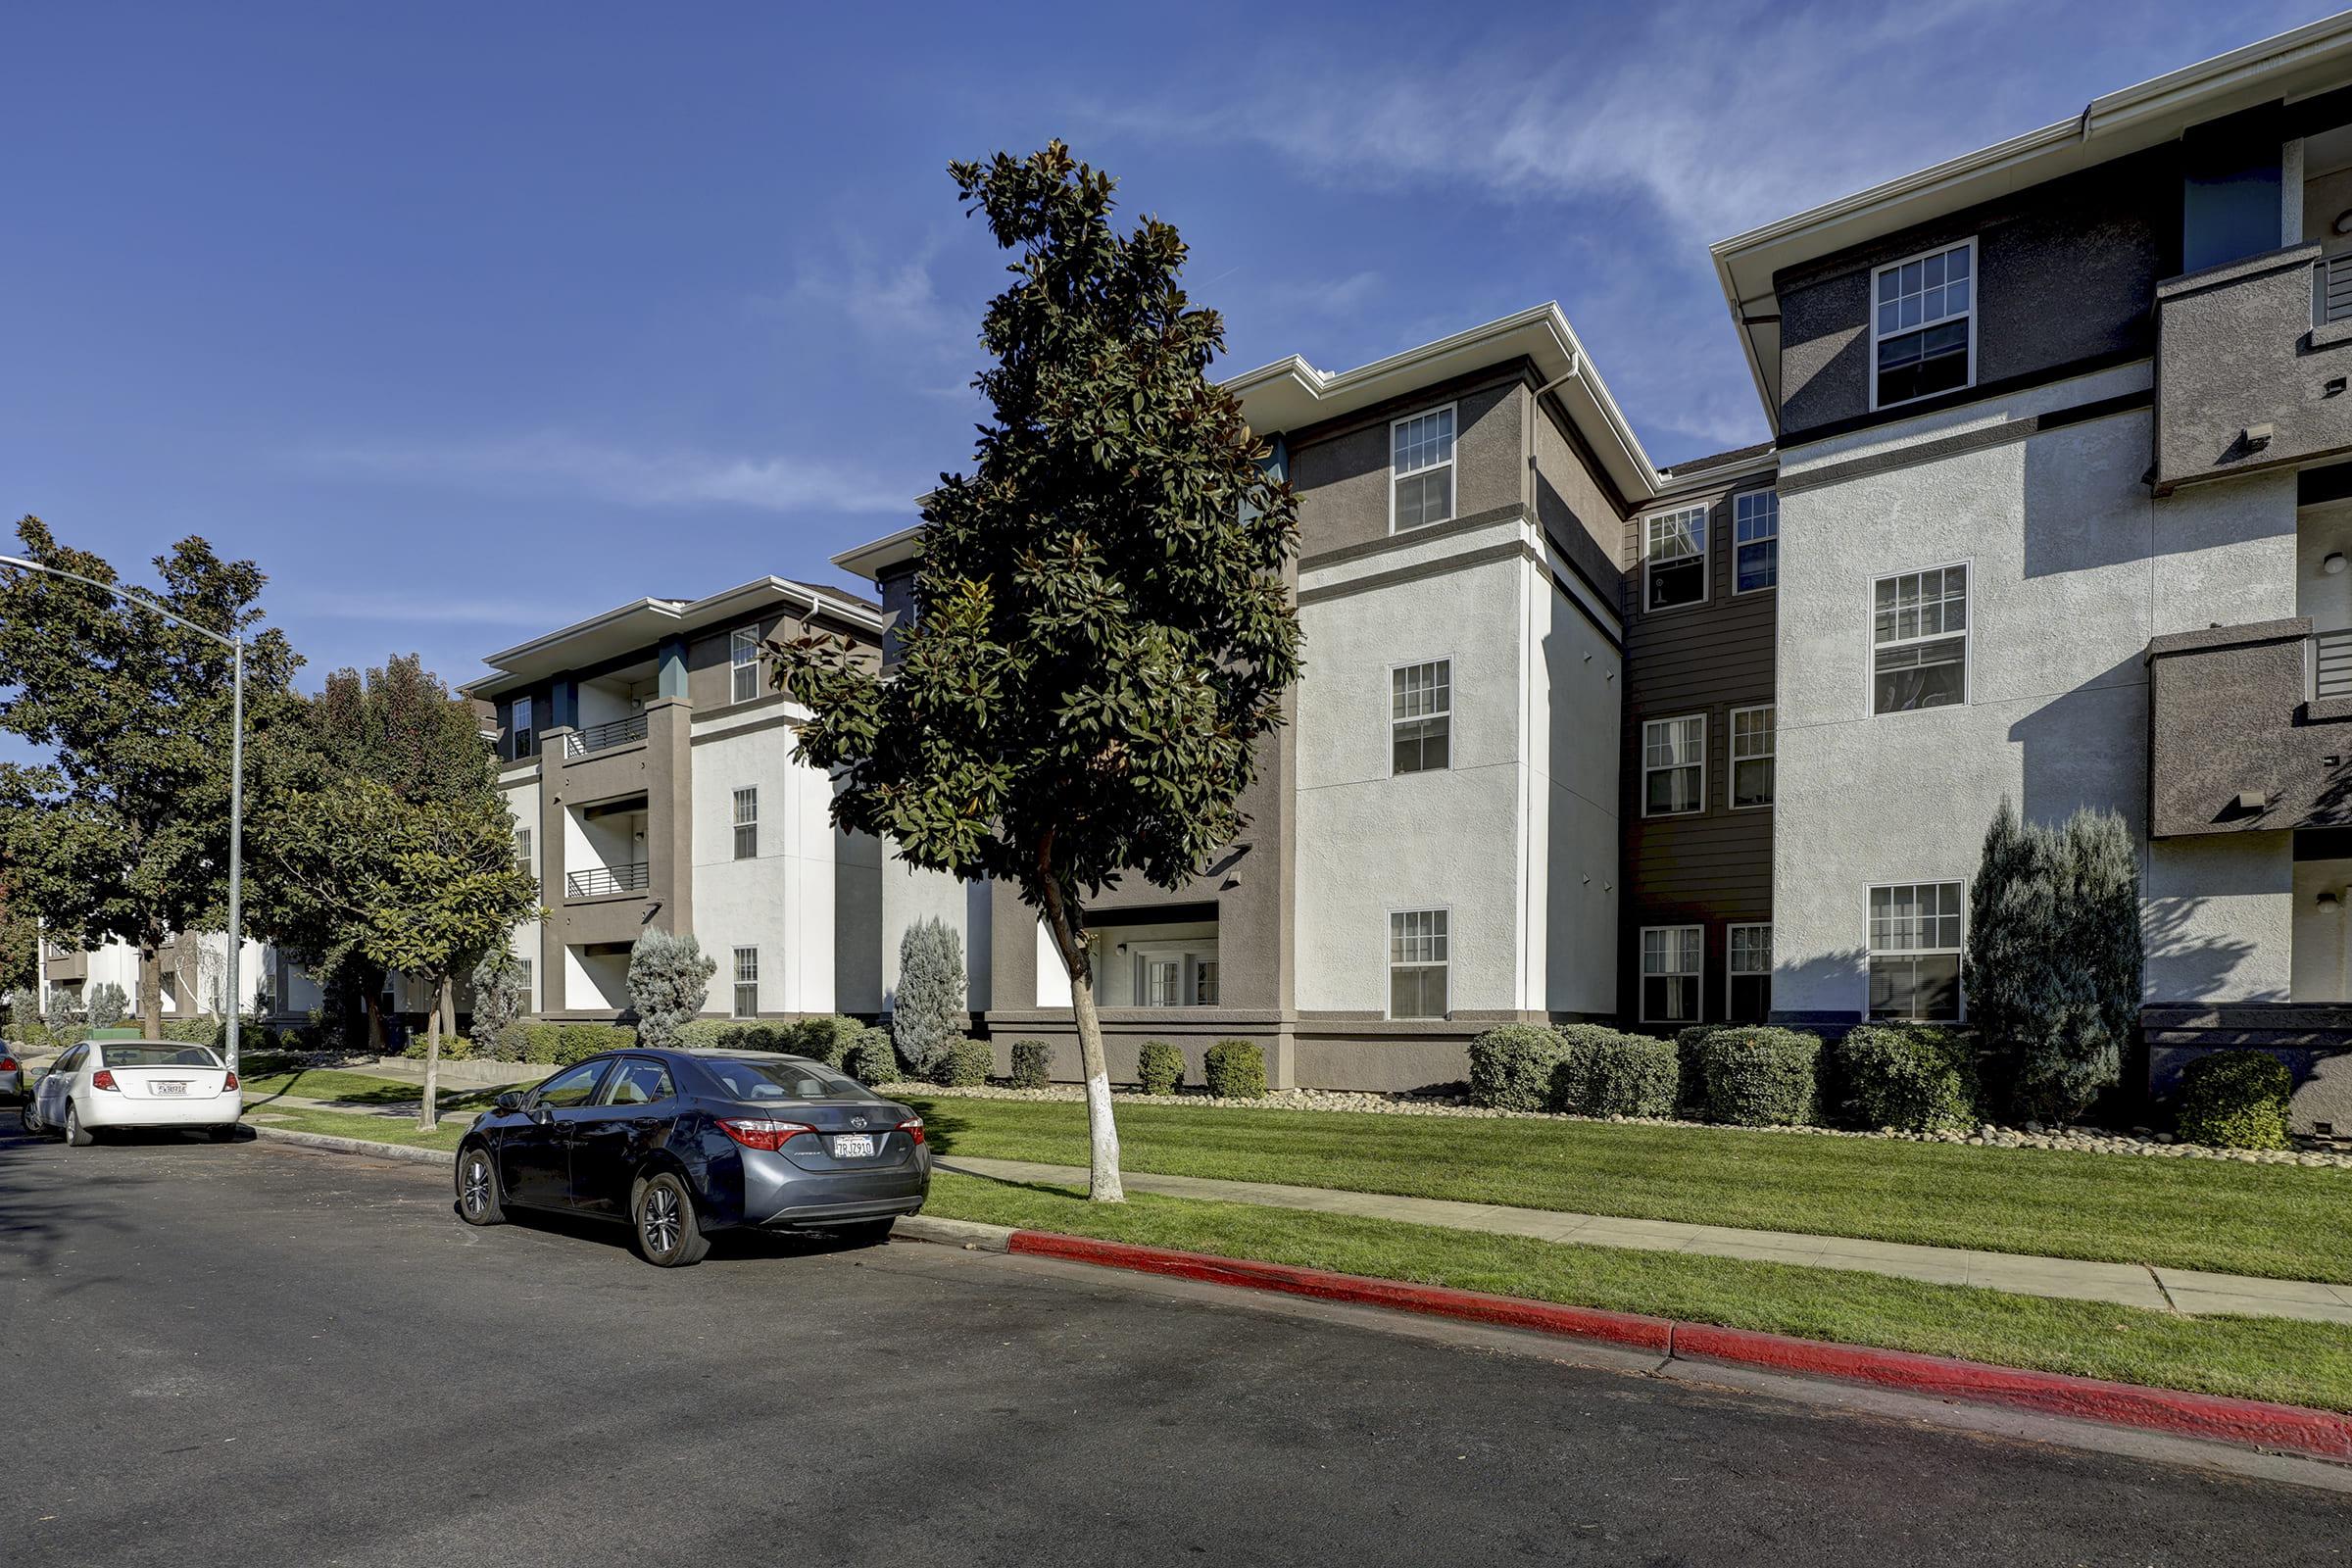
{"points": [[1160, 1068], [1234, 1069], [2235, 1100], [826, 1038], [964, 1063], [1032, 1064], [1511, 1067], [1607, 1073], [540, 1043], [1915, 1077], [869, 1058], [577, 1042], [1756, 1076]]}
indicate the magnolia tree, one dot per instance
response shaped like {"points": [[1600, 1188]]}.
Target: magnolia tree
{"points": [[1102, 630], [668, 979], [2052, 971], [927, 1014]]}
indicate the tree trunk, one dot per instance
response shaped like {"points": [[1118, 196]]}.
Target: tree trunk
{"points": [[1102, 1134], [151, 987], [375, 1003], [432, 1051]]}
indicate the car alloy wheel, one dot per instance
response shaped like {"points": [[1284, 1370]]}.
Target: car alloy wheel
{"points": [[668, 1233], [77, 1134], [658, 1222], [478, 1189]]}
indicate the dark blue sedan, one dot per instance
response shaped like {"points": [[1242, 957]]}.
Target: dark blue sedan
{"points": [[681, 1144]]}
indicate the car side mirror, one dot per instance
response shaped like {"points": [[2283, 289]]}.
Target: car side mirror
{"points": [[508, 1103]]}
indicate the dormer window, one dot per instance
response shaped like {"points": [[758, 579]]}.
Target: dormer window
{"points": [[1922, 325]]}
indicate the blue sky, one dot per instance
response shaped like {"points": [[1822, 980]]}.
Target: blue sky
{"points": [[468, 320]]}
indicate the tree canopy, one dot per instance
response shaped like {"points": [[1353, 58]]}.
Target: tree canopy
{"points": [[1103, 628]]}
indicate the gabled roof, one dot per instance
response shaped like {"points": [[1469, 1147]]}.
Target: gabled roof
{"points": [[2308, 59], [643, 622]]}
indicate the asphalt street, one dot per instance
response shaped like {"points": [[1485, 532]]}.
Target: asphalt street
{"points": [[265, 1356]]}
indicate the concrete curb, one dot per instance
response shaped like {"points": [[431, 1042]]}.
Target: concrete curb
{"points": [[967, 1234], [355, 1146], [2253, 1423]]}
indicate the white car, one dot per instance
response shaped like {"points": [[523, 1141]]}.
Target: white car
{"points": [[102, 1084]]}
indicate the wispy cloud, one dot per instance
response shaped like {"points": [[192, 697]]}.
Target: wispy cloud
{"points": [[555, 463]]}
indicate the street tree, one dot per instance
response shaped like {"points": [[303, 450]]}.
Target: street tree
{"points": [[122, 834], [1103, 632]]}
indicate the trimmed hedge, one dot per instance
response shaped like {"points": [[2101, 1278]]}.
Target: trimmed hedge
{"points": [[869, 1057], [1032, 1064], [540, 1042], [964, 1063], [577, 1042], [1234, 1069], [1609, 1073], [2235, 1100], [1690, 1095], [829, 1038], [1914, 1077], [1158, 1068], [1753, 1075], [1511, 1067]]}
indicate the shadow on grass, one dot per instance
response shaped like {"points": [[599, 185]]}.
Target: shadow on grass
{"points": [[940, 1126]]}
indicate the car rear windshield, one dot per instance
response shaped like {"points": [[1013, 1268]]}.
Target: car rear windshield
{"points": [[158, 1056], [781, 1080]]}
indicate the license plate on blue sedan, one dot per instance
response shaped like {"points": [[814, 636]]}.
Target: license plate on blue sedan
{"points": [[854, 1146]]}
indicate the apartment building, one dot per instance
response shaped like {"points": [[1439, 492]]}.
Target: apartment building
{"points": [[2062, 434]]}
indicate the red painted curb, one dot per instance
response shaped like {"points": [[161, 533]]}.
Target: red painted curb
{"points": [[1653, 1333], [2287, 1428]]}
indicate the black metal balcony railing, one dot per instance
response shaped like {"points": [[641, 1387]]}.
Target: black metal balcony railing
{"points": [[598, 737], [604, 879]]}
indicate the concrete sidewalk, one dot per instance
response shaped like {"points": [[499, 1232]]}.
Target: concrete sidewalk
{"points": [[2164, 1290]]}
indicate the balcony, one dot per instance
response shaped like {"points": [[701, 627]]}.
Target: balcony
{"points": [[2247, 729], [602, 881], [603, 737], [2253, 366]]}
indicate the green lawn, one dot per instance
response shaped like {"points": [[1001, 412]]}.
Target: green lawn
{"points": [[2270, 1358], [2286, 1222], [330, 1083], [374, 1129]]}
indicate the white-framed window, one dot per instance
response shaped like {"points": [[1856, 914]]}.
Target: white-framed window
{"points": [[1756, 541], [527, 739], [1419, 956], [1923, 330], [1748, 960], [1919, 640], [1674, 766], [1164, 982], [746, 823], [1674, 559], [523, 850], [1915, 935], [1421, 717], [743, 663], [1204, 983], [747, 982], [530, 987], [1673, 965], [1753, 742], [1421, 457]]}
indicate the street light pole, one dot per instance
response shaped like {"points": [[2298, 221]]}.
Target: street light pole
{"points": [[236, 767]]}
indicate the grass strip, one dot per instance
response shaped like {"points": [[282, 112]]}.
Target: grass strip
{"points": [[2278, 1221], [2283, 1359]]}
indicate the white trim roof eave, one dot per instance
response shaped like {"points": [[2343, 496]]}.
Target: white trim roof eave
{"points": [[2294, 63]]}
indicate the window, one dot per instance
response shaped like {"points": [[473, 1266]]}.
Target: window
{"points": [[1751, 755], [1923, 334], [742, 657], [1421, 717], [1162, 981], [1919, 635], [1204, 983], [747, 982], [638, 1083], [571, 1089], [1915, 951], [1750, 998], [522, 848], [1672, 961], [746, 824], [1755, 540], [1674, 769], [526, 743], [1674, 559], [1421, 486], [523, 972], [1417, 962]]}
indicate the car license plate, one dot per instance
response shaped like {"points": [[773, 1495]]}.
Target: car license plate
{"points": [[169, 1086], [854, 1146]]}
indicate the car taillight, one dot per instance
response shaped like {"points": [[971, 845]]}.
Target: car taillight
{"points": [[760, 1132], [102, 1079], [8, 1064], [912, 1128], [230, 1084]]}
